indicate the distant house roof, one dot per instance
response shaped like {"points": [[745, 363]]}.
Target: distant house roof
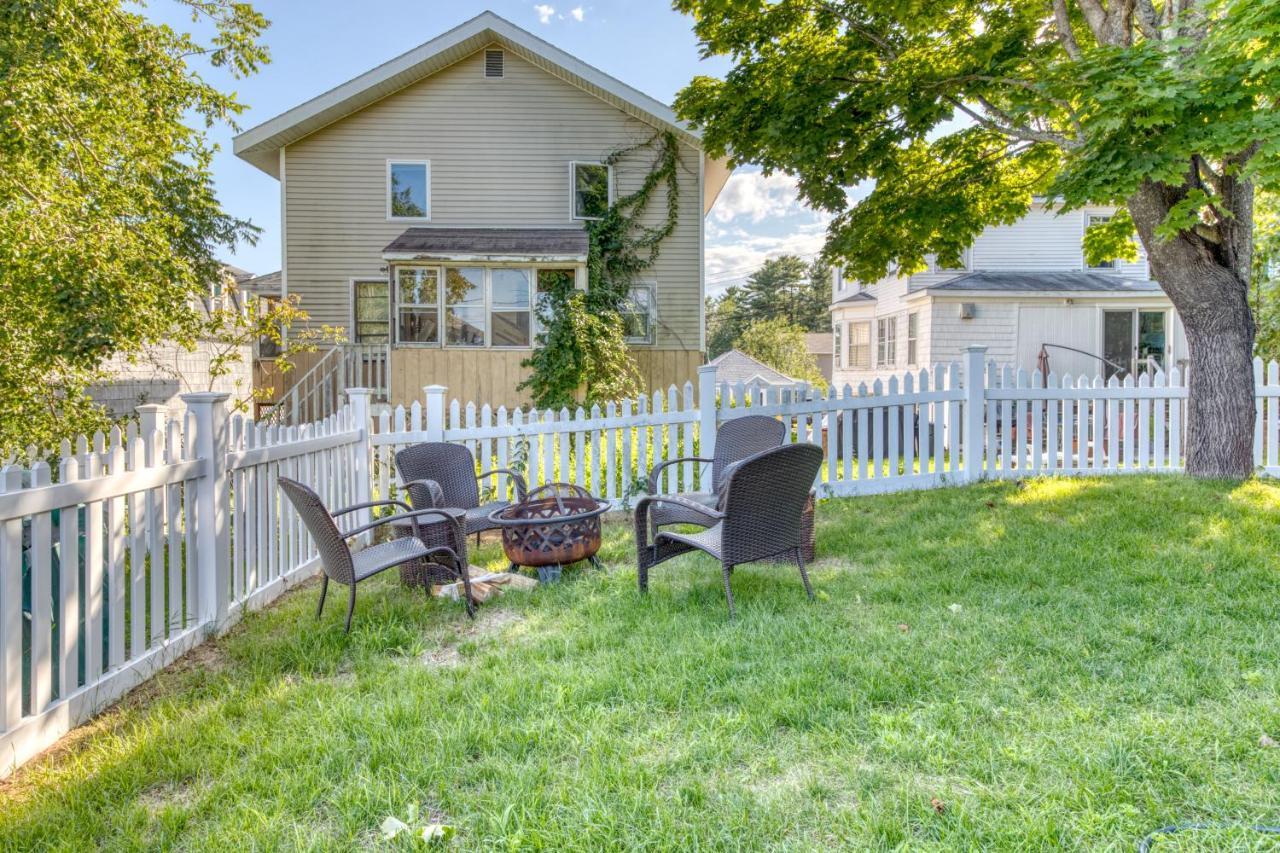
{"points": [[238, 275], [857, 296], [1043, 282], [736, 366], [265, 283], [260, 145], [543, 244], [818, 343]]}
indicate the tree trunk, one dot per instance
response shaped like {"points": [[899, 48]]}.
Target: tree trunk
{"points": [[1212, 299]]}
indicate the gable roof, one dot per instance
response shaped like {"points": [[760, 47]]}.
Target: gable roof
{"points": [[736, 366], [260, 145], [1042, 282]]}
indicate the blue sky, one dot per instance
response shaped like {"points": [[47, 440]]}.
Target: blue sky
{"points": [[319, 44]]}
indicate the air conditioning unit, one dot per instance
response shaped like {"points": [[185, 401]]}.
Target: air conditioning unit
{"points": [[968, 310]]}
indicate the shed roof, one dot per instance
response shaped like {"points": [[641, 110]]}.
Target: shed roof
{"points": [[1043, 282], [736, 366], [546, 244]]}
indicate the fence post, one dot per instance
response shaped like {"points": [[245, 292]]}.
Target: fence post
{"points": [[363, 450], [212, 516], [435, 411], [975, 394], [10, 608], [706, 422]]}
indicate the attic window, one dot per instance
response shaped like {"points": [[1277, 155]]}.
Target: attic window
{"points": [[493, 63]]}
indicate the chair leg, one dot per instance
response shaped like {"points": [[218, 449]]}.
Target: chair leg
{"points": [[804, 576], [643, 576], [351, 607], [728, 590], [324, 590]]}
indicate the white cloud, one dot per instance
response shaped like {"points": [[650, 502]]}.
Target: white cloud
{"points": [[754, 195], [732, 256], [544, 12], [577, 14]]}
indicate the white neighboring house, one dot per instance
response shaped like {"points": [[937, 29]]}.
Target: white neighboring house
{"points": [[1023, 288]]}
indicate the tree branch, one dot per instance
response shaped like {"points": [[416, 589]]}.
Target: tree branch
{"points": [[1067, 36], [1148, 20], [1017, 131]]}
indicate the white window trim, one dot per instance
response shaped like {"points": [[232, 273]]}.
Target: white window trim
{"points": [[573, 194], [883, 357], [442, 309], [871, 345], [407, 161], [351, 288], [913, 338], [652, 287]]}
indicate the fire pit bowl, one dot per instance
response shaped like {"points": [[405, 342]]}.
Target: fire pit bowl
{"points": [[554, 525]]}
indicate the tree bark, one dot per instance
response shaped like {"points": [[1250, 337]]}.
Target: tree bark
{"points": [[1212, 299]]}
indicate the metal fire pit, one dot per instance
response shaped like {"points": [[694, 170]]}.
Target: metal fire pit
{"points": [[554, 525]]}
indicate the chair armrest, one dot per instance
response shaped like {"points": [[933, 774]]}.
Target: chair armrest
{"points": [[522, 488], [657, 469], [412, 517], [367, 505], [692, 506], [433, 489]]}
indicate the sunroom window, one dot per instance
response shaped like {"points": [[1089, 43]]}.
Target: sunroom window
{"points": [[464, 306], [509, 307], [417, 305], [591, 190], [408, 189]]}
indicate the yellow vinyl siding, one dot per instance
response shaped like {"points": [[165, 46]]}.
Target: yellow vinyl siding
{"points": [[500, 152]]}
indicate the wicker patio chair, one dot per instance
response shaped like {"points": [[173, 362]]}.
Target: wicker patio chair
{"points": [[343, 566], [759, 516], [736, 440], [440, 474]]}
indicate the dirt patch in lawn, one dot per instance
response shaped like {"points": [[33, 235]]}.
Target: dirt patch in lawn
{"points": [[489, 622], [160, 797]]}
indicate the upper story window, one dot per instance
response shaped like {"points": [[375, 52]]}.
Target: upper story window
{"points": [[637, 315], [409, 189], [1100, 219], [886, 342], [591, 186]]}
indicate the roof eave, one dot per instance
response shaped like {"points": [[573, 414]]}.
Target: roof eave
{"points": [[259, 144], [492, 258]]}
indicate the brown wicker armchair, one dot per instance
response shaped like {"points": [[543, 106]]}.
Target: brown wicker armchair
{"points": [[759, 516], [736, 440], [342, 565], [440, 474]]}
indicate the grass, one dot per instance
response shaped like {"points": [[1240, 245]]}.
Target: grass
{"points": [[1059, 664]]}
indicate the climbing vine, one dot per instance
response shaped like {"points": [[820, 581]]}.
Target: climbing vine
{"points": [[582, 342]]}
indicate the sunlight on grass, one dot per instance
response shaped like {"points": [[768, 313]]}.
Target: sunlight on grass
{"points": [[1069, 664]]}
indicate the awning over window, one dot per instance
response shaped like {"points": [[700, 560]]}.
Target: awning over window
{"points": [[537, 245]]}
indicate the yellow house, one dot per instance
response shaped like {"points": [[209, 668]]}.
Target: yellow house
{"points": [[423, 203]]}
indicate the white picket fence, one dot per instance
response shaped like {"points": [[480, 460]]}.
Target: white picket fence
{"points": [[175, 528], [144, 543]]}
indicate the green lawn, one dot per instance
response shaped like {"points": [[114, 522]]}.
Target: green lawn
{"points": [[1067, 664]]}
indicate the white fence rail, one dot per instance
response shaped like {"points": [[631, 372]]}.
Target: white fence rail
{"points": [[136, 546], [143, 543]]}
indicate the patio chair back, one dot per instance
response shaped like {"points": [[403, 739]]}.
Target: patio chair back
{"points": [[451, 465], [335, 555], [738, 438], [764, 500]]}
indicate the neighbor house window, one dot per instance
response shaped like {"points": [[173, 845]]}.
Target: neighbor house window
{"points": [[372, 310], [913, 323], [836, 345], [1099, 219], [591, 190], [418, 305], [509, 307], [886, 341], [464, 306], [408, 189], [637, 315], [859, 346]]}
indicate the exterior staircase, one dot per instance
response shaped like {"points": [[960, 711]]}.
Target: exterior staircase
{"points": [[320, 391]]}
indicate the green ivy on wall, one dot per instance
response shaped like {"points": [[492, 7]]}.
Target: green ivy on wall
{"points": [[581, 345]]}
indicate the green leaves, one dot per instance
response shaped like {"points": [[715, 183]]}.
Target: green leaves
{"points": [[780, 345], [1111, 240], [108, 220]]}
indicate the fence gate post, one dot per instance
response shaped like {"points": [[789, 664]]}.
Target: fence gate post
{"points": [[363, 449], [435, 411], [706, 422], [975, 394], [211, 514]]}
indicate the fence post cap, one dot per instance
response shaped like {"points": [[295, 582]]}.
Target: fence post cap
{"points": [[205, 397], [976, 348], [150, 407], [436, 389], [359, 392], [706, 368]]}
